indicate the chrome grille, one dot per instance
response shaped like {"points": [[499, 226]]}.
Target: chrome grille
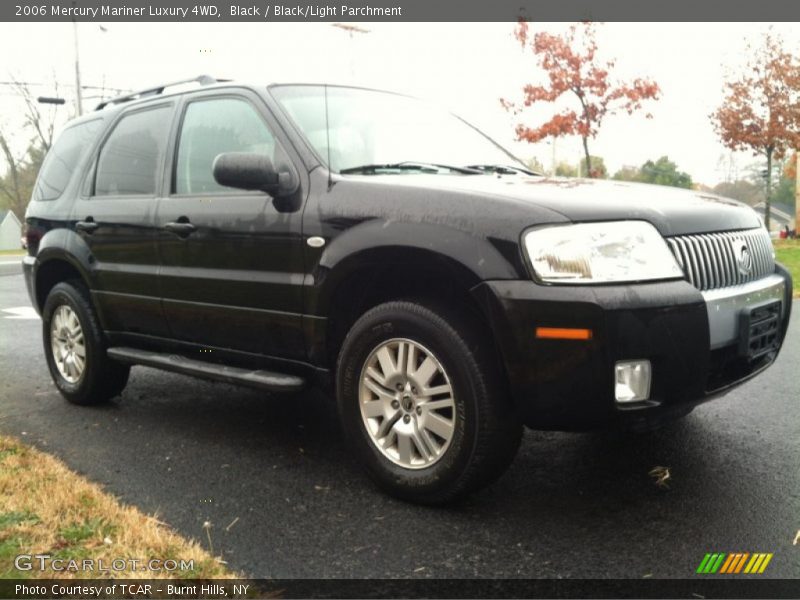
{"points": [[713, 260]]}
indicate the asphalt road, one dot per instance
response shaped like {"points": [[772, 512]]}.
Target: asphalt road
{"points": [[572, 505]]}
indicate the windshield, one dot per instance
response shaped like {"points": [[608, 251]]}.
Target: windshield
{"points": [[380, 130]]}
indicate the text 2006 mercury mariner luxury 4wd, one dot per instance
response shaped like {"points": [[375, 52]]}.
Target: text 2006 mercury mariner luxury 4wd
{"points": [[311, 233]]}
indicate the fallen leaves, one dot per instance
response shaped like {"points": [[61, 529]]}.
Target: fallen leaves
{"points": [[661, 475]]}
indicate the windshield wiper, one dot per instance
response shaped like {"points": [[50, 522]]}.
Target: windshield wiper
{"points": [[409, 165], [504, 169]]}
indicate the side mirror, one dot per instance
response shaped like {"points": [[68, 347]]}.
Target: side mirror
{"points": [[246, 171]]}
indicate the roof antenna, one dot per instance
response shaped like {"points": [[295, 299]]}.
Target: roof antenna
{"points": [[328, 140]]}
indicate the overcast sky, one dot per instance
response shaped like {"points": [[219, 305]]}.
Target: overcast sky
{"points": [[465, 66]]}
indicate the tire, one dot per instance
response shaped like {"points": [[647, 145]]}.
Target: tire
{"points": [[95, 378], [440, 464]]}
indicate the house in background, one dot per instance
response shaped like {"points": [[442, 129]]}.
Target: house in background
{"points": [[10, 231], [780, 215]]}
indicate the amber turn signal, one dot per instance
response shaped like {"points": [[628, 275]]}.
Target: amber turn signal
{"points": [[563, 333]]}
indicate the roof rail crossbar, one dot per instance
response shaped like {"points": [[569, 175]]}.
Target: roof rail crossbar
{"points": [[159, 89]]}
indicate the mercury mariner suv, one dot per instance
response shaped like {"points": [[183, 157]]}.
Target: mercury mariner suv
{"points": [[287, 235]]}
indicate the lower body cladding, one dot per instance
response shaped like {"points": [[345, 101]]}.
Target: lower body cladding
{"points": [[631, 356]]}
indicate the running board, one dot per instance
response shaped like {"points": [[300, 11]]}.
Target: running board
{"points": [[263, 380]]}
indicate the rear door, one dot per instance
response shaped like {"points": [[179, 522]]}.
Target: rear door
{"points": [[231, 260], [115, 216]]}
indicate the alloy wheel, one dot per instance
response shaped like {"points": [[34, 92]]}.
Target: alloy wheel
{"points": [[68, 344], [407, 403]]}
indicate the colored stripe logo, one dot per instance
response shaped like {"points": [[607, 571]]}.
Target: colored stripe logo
{"points": [[734, 563]]}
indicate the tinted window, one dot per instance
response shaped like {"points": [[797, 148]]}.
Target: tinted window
{"points": [[129, 160], [212, 127], [63, 158]]}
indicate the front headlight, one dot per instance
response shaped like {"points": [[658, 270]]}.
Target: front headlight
{"points": [[615, 252]]}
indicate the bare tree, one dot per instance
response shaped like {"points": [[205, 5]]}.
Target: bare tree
{"points": [[21, 169], [42, 122], [13, 190]]}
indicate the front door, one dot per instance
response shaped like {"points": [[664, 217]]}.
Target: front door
{"points": [[231, 260]]}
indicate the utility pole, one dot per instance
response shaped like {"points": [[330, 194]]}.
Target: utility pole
{"points": [[351, 29], [79, 100]]}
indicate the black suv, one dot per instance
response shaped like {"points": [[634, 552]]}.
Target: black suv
{"points": [[275, 236]]}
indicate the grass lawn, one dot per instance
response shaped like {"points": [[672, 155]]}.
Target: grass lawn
{"points": [[787, 252], [47, 509]]}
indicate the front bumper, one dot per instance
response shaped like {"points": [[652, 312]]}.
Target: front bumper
{"points": [[691, 339]]}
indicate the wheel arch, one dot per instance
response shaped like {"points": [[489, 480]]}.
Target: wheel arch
{"points": [[373, 276], [52, 272], [62, 255]]}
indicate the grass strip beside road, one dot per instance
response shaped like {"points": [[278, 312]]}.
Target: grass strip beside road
{"points": [[787, 252], [47, 509]]}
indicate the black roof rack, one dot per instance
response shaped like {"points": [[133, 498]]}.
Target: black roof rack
{"points": [[159, 89]]}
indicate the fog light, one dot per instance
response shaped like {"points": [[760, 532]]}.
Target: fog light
{"points": [[633, 380]]}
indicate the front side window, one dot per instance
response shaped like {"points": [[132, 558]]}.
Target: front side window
{"points": [[130, 158], [351, 127], [63, 158], [214, 127]]}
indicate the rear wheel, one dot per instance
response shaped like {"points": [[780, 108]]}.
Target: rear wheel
{"points": [[423, 404], [75, 348]]}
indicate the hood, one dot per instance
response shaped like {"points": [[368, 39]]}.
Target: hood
{"points": [[673, 211]]}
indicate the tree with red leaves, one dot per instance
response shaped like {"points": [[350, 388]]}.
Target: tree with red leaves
{"points": [[574, 69], [761, 108], [790, 169]]}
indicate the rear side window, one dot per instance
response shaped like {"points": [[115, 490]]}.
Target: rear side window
{"points": [[63, 158], [131, 156], [213, 127]]}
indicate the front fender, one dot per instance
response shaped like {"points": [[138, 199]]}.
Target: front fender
{"points": [[378, 242]]}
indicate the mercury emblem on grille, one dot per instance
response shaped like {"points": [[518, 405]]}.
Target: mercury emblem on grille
{"points": [[744, 259]]}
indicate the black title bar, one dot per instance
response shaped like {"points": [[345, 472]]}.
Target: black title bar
{"points": [[397, 10]]}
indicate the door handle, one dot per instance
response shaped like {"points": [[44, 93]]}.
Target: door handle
{"points": [[87, 226], [181, 228]]}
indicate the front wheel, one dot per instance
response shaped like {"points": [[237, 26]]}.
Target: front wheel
{"points": [[422, 402], [75, 349]]}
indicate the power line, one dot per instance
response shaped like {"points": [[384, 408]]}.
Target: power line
{"points": [[66, 85]]}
